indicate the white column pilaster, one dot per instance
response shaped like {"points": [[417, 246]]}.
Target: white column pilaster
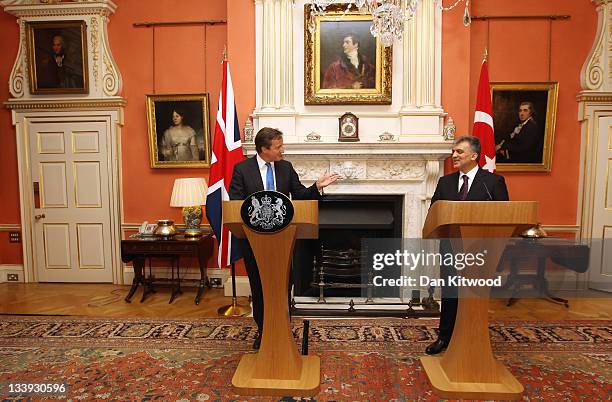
{"points": [[596, 74], [274, 27]]}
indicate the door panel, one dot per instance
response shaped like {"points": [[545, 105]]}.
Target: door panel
{"points": [[600, 276], [85, 142], [87, 185], [51, 143], [56, 245], [90, 241], [53, 185], [72, 239]]}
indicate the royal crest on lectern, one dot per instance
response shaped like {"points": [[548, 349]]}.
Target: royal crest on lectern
{"points": [[267, 211]]}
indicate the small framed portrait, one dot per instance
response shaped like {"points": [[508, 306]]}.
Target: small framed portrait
{"points": [[57, 57], [178, 131], [343, 63], [524, 117]]}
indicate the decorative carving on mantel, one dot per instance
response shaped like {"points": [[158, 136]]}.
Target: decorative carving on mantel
{"points": [[386, 137], [432, 173], [310, 170], [596, 74], [362, 169], [349, 170], [313, 137], [103, 73], [449, 129], [395, 170]]}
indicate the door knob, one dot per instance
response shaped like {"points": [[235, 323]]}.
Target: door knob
{"points": [[37, 217]]}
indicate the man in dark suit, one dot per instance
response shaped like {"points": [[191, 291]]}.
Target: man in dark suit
{"points": [[469, 183], [525, 143], [268, 171]]}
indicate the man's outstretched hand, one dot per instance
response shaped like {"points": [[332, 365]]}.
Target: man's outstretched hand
{"points": [[327, 179]]}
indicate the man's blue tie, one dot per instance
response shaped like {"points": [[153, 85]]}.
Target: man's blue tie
{"points": [[269, 178]]}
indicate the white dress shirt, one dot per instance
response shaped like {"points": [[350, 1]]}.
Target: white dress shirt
{"points": [[263, 171], [471, 174]]}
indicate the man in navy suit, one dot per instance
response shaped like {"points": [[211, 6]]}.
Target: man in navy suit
{"points": [[524, 144], [268, 171], [469, 183]]}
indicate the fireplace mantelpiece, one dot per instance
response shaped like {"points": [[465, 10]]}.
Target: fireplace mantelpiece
{"points": [[408, 169]]}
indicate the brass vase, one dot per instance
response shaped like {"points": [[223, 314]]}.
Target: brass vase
{"points": [[165, 229]]}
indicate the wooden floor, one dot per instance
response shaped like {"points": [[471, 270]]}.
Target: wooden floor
{"points": [[101, 300]]}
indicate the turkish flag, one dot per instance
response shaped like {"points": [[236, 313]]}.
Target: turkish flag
{"points": [[483, 121]]}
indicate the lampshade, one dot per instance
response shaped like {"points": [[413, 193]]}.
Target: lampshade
{"points": [[189, 192]]}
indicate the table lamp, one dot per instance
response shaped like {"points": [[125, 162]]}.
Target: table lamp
{"points": [[191, 195]]}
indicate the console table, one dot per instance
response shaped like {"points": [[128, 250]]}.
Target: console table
{"points": [[567, 253], [137, 250]]}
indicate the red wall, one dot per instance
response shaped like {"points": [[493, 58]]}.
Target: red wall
{"points": [[188, 60], [518, 52], [9, 190]]}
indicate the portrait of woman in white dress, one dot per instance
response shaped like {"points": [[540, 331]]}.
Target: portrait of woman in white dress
{"points": [[178, 130], [179, 140]]}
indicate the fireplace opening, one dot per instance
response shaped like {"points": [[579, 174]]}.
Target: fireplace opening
{"points": [[344, 220]]}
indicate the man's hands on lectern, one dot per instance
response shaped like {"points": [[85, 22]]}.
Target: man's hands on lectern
{"points": [[327, 179]]}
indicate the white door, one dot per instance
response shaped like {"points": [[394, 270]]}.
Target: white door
{"points": [[600, 271], [70, 183]]}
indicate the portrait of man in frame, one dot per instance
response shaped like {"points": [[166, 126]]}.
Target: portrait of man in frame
{"points": [[343, 63], [524, 121], [57, 57]]}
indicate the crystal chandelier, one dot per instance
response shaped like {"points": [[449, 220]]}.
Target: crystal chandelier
{"points": [[388, 16]]}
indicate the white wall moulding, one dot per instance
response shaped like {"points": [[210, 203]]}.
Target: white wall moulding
{"points": [[103, 75], [7, 227]]}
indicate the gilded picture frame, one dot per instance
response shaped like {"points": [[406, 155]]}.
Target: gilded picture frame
{"points": [[57, 57], [179, 134], [343, 63], [524, 116]]}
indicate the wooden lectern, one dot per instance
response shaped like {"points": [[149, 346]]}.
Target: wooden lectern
{"points": [[468, 369], [277, 368]]}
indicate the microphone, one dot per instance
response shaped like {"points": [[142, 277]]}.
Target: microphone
{"points": [[487, 189]]}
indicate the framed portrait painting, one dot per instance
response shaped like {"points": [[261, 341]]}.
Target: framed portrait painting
{"points": [[178, 131], [524, 116], [343, 63], [57, 57]]}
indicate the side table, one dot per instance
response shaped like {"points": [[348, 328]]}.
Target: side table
{"points": [[566, 253], [136, 250]]}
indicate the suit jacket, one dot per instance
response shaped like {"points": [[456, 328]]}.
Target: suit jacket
{"points": [[526, 146], [486, 186], [246, 180]]}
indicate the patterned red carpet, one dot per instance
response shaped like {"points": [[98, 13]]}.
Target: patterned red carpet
{"points": [[374, 360]]}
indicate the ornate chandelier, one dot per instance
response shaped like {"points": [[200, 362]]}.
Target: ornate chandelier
{"points": [[389, 16]]}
